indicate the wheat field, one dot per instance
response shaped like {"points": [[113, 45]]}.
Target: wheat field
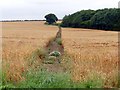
{"points": [[93, 52], [20, 39]]}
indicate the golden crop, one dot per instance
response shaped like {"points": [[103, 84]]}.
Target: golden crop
{"points": [[20, 39], [94, 53]]}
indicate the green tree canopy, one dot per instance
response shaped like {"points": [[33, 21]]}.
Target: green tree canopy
{"points": [[51, 18], [106, 19], [78, 19]]}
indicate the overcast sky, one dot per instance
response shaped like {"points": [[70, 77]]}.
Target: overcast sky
{"points": [[37, 9]]}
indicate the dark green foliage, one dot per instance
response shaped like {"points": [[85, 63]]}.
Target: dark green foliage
{"points": [[78, 19], [106, 19], [51, 18]]}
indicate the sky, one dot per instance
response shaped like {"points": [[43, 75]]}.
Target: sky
{"points": [[37, 9]]}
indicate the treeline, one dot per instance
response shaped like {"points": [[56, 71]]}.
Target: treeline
{"points": [[105, 19], [20, 20]]}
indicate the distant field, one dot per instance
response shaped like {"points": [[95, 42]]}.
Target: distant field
{"points": [[94, 52]]}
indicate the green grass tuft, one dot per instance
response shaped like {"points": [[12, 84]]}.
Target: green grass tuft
{"points": [[44, 79], [59, 41]]}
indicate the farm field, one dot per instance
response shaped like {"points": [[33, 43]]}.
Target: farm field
{"points": [[94, 53], [19, 40]]}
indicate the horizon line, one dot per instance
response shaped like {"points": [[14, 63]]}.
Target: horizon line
{"points": [[25, 20]]}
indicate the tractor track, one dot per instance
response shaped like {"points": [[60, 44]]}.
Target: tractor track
{"points": [[53, 45]]}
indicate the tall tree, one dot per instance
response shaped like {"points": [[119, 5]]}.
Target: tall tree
{"points": [[51, 18]]}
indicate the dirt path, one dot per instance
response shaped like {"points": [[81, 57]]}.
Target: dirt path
{"points": [[55, 45]]}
